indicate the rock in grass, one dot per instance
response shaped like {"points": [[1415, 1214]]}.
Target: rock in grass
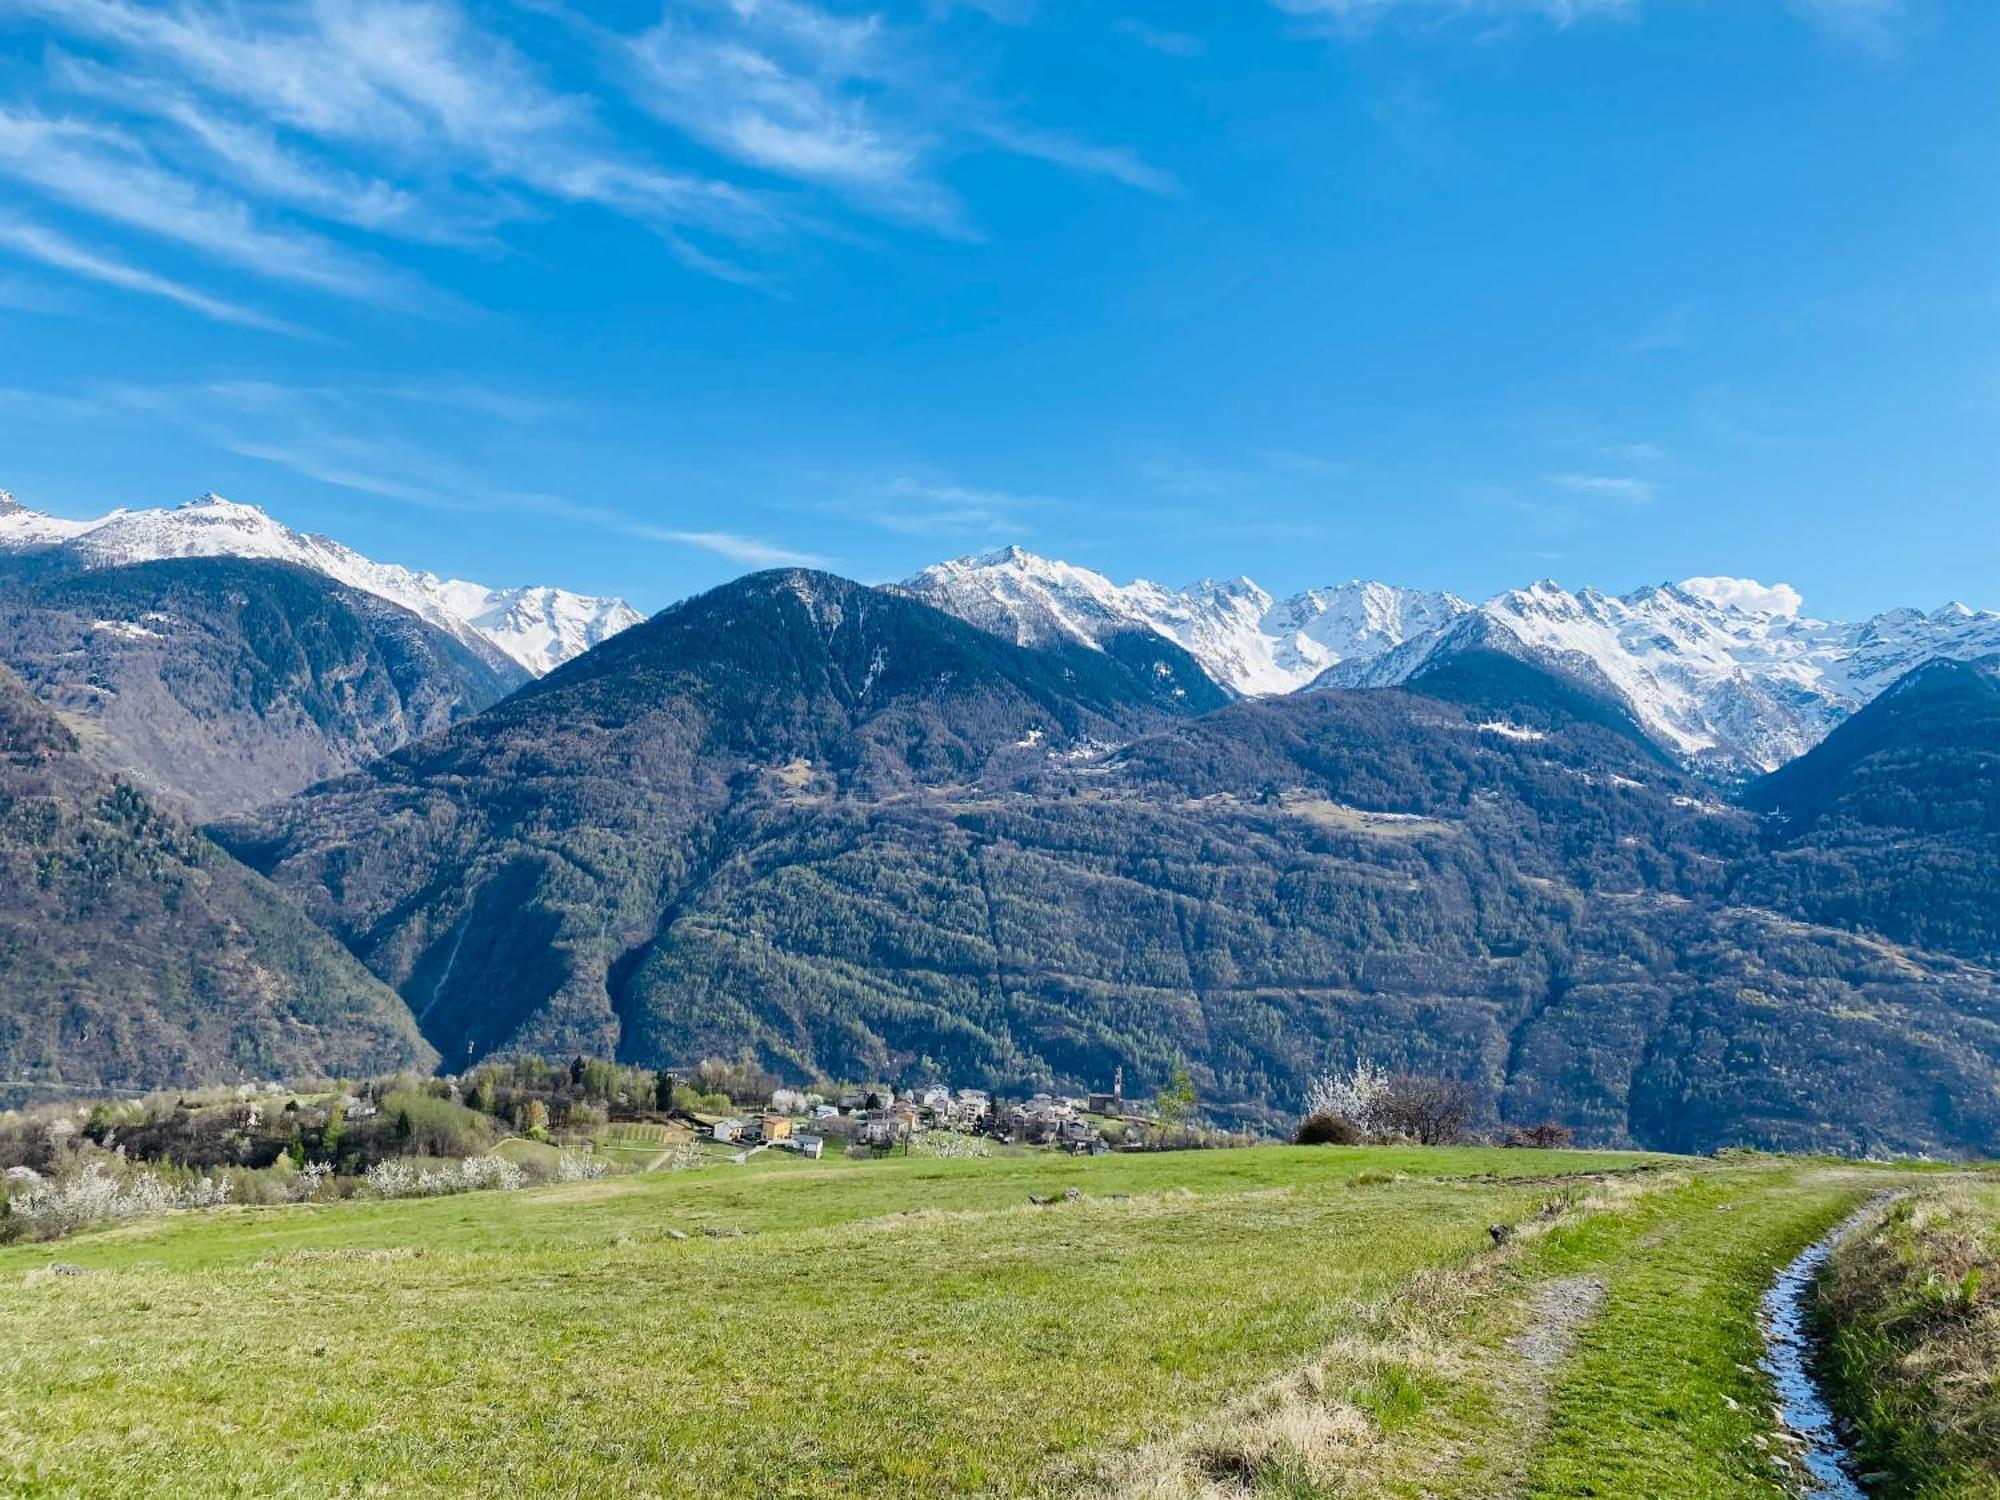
{"points": [[1501, 1233]]}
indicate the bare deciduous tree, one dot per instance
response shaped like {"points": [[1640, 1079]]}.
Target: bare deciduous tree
{"points": [[1430, 1111]]}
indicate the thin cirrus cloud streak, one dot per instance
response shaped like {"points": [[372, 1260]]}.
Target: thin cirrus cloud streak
{"points": [[1182, 44], [752, 552], [923, 508], [91, 168], [261, 163], [1616, 487], [63, 254], [1873, 25], [311, 431], [1354, 15]]}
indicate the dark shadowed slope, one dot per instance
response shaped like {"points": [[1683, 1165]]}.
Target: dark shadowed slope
{"points": [[220, 684], [1892, 824], [134, 953]]}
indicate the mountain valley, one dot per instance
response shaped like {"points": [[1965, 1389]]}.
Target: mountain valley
{"points": [[1018, 825]]}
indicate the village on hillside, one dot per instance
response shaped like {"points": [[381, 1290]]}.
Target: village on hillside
{"points": [[877, 1117]]}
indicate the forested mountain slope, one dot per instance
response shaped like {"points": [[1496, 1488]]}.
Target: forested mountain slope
{"points": [[220, 684], [137, 954], [510, 877], [1892, 824], [835, 825]]}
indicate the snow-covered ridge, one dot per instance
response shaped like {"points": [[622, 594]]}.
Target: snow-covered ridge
{"points": [[1727, 670], [1243, 638], [538, 628]]}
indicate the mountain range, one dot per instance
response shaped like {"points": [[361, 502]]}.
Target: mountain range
{"points": [[1012, 825], [859, 837], [536, 628], [1724, 672]]}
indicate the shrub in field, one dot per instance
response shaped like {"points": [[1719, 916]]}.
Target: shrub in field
{"points": [[1547, 1136], [1328, 1130]]}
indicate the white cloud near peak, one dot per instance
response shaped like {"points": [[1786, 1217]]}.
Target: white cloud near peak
{"points": [[1746, 594]]}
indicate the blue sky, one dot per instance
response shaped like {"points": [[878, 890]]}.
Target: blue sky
{"points": [[1458, 293]]}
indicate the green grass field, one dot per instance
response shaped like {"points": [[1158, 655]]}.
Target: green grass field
{"points": [[1283, 1321]]}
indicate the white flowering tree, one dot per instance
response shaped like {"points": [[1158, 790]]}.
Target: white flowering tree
{"points": [[1360, 1096]]}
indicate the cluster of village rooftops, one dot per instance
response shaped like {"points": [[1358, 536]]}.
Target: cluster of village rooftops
{"points": [[876, 1115]]}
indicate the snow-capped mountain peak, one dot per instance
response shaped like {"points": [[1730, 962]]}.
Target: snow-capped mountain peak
{"points": [[537, 628], [1243, 638], [1720, 669]]}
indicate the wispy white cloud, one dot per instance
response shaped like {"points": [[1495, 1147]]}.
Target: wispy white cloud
{"points": [[771, 87], [259, 162], [1171, 43], [436, 100], [1118, 163], [752, 552], [841, 101], [40, 243], [1746, 594], [221, 126], [1671, 331], [1877, 26], [1637, 452], [1359, 15], [1619, 487], [922, 507], [98, 170]]}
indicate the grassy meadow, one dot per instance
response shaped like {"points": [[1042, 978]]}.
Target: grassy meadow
{"points": [[1281, 1321]]}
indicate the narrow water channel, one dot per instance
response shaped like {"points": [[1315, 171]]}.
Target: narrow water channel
{"points": [[1802, 1408]]}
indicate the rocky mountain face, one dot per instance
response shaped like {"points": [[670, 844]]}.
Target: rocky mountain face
{"points": [[862, 837], [536, 628], [1723, 673], [136, 954], [218, 684]]}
